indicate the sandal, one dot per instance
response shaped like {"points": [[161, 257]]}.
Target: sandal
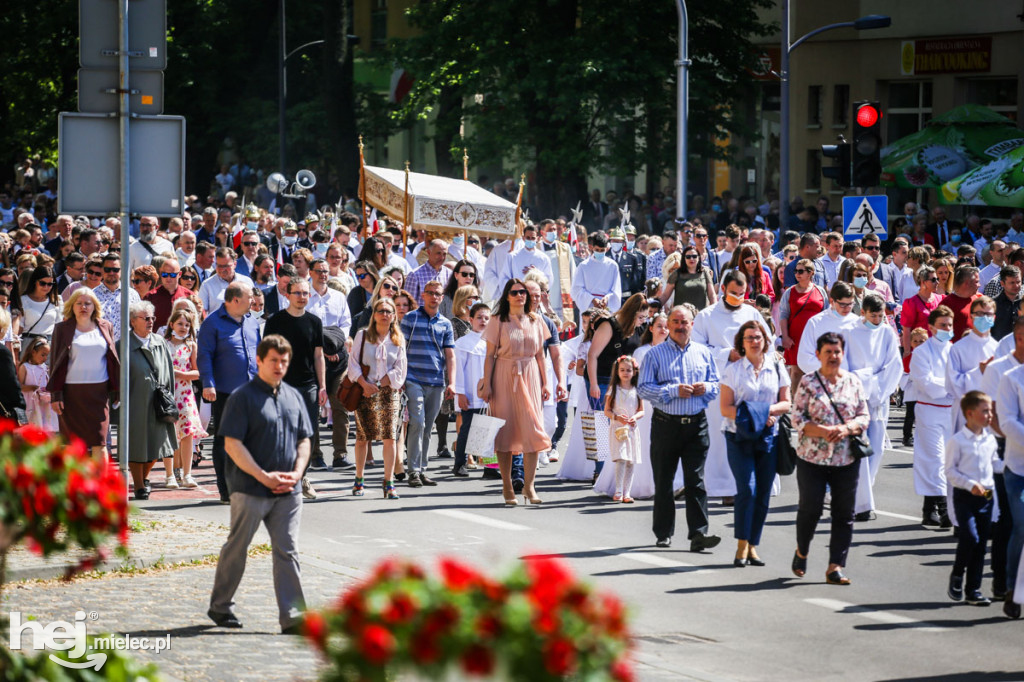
{"points": [[627, 500], [617, 497], [836, 577], [799, 565], [389, 491], [357, 489]]}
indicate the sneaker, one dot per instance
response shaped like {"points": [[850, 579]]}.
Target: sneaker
{"points": [[189, 482], [444, 453], [307, 489], [908, 442], [342, 464], [956, 587], [553, 457], [544, 459], [318, 464], [865, 516], [976, 598], [414, 480], [461, 472], [427, 481], [171, 482]]}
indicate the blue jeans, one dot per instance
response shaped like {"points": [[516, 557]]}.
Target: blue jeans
{"points": [[1015, 496], [424, 404], [974, 514], [753, 466]]}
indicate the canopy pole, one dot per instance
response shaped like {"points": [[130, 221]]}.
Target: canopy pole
{"points": [[405, 211], [465, 176], [362, 183], [519, 205]]}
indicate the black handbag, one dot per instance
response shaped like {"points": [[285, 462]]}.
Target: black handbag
{"points": [[860, 447], [164, 404], [785, 453]]}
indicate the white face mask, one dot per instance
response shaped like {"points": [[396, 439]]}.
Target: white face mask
{"points": [[180, 338], [290, 240]]}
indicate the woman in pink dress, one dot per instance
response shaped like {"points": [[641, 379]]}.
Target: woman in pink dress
{"points": [[515, 386], [181, 336]]}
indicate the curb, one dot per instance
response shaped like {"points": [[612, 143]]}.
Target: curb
{"points": [[59, 570]]}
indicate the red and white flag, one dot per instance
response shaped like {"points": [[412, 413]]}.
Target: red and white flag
{"points": [[374, 223]]}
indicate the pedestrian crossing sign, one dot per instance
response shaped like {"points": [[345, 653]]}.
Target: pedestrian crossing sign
{"points": [[865, 215]]}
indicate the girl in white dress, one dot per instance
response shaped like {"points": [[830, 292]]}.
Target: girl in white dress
{"points": [[33, 376], [624, 409], [576, 465]]}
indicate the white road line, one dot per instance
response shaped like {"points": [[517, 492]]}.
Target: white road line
{"points": [[649, 559], [482, 520], [872, 614], [898, 516]]}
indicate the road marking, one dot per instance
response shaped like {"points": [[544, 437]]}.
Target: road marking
{"points": [[898, 516], [872, 614], [649, 559], [482, 520]]}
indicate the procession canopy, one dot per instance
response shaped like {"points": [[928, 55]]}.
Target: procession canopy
{"points": [[438, 204]]}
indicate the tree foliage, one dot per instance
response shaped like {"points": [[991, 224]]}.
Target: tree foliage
{"points": [[565, 87]]}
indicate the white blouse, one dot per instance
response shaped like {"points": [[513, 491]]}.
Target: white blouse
{"points": [[87, 363], [34, 311], [748, 384], [383, 358]]}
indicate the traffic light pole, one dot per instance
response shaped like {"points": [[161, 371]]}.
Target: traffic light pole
{"points": [[124, 211]]}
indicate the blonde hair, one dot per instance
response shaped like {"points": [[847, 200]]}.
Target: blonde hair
{"points": [[673, 260], [394, 331], [464, 293], [69, 307], [5, 321], [919, 333]]}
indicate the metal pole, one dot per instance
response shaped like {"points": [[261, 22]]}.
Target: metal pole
{"points": [[784, 123], [682, 108], [282, 94], [125, 214]]}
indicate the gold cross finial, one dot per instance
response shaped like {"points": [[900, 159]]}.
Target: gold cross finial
{"points": [[406, 165], [360, 142]]}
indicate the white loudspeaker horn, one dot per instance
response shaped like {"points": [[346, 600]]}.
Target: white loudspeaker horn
{"points": [[305, 179], [277, 183]]}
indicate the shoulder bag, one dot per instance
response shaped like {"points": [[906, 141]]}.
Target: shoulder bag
{"points": [[164, 405], [860, 447], [785, 453], [351, 391]]}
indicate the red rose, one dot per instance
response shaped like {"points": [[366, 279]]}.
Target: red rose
{"points": [[478, 660], [622, 671], [33, 435], [424, 648], [458, 576], [315, 628], [377, 644], [550, 571], [559, 657], [488, 626], [400, 609], [546, 622], [442, 620], [7, 426], [76, 448], [45, 501]]}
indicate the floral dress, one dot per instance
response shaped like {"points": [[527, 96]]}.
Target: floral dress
{"points": [[188, 423], [812, 406]]}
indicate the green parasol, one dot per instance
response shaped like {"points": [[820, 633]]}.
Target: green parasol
{"points": [[997, 183], [950, 145]]}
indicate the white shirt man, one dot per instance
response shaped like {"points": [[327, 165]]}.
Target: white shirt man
{"points": [[597, 282], [326, 303], [458, 250], [212, 290], [149, 244], [836, 318], [991, 271], [526, 258], [966, 359], [832, 259], [497, 263], [186, 251]]}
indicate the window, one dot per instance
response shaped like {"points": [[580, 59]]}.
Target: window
{"points": [[998, 94], [813, 171], [840, 106], [909, 109], [379, 24], [814, 105]]}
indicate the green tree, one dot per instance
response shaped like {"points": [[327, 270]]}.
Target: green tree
{"points": [[569, 86]]}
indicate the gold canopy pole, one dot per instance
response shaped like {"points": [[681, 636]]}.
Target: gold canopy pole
{"points": [[519, 205], [362, 183], [465, 176], [405, 211]]}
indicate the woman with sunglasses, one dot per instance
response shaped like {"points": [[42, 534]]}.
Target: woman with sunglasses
{"points": [[144, 280], [39, 303], [798, 304], [386, 288], [374, 251], [396, 273], [366, 275], [747, 259], [189, 279], [515, 386], [464, 273], [918, 307], [689, 281]]}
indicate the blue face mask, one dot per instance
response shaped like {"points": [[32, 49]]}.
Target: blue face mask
{"points": [[860, 282], [954, 239], [944, 335], [983, 323], [459, 241], [251, 226], [320, 250], [872, 325], [530, 243], [716, 207], [599, 256], [550, 237]]}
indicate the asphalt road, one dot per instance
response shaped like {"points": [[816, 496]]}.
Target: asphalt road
{"points": [[696, 616]]}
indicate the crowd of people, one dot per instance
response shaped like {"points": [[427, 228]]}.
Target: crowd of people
{"points": [[700, 355]]}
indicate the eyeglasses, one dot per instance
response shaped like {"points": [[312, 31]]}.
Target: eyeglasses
{"points": [[465, 273], [188, 278], [843, 304], [801, 271], [111, 270], [518, 292], [322, 272], [691, 256], [147, 318], [384, 311], [433, 293], [169, 275], [750, 261]]}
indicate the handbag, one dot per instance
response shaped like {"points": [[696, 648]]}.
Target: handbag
{"points": [[785, 453], [860, 447], [17, 414], [164, 404], [351, 392], [482, 432]]}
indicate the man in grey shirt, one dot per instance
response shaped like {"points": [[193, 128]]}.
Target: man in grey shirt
{"points": [[267, 432]]}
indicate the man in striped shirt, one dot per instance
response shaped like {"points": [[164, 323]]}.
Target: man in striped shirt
{"points": [[430, 351], [431, 271]]}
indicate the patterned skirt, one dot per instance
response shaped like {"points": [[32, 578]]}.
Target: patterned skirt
{"points": [[379, 417]]}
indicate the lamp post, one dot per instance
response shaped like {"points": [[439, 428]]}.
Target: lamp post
{"points": [[871, 21], [282, 89], [682, 108]]}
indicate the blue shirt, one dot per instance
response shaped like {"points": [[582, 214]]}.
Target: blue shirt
{"points": [[789, 276], [667, 366], [270, 423], [425, 340], [226, 352]]}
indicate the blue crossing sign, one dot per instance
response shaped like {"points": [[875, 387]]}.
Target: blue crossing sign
{"points": [[865, 215]]}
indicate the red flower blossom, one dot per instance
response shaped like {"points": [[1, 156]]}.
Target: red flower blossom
{"points": [[478, 660], [400, 609], [44, 500], [546, 622], [559, 657], [33, 435], [550, 571], [387, 569], [315, 628], [76, 449], [441, 621], [458, 577], [424, 647], [488, 626], [622, 671], [7, 426], [377, 644]]}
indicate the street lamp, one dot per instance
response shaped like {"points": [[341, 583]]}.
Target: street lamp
{"points": [[682, 108], [865, 23], [282, 90]]}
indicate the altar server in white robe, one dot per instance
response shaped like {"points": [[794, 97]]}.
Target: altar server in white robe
{"points": [[716, 328], [874, 356], [494, 270], [838, 317], [597, 283], [934, 416], [527, 258], [971, 354]]}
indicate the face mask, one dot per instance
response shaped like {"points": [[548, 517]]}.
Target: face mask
{"points": [[459, 241], [630, 245], [550, 237], [180, 338], [860, 281], [954, 238], [716, 207], [983, 323], [733, 300], [872, 325], [944, 335], [835, 311], [530, 243], [290, 241], [617, 246], [599, 256], [251, 226], [320, 250], [148, 237]]}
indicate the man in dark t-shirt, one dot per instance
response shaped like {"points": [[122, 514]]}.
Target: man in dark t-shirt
{"points": [[307, 369]]}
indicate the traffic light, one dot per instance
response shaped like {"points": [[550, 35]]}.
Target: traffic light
{"points": [[867, 144], [839, 172]]}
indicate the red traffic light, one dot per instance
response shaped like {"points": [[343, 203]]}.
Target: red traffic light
{"points": [[867, 116]]}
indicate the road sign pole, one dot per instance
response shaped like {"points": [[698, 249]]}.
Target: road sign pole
{"points": [[125, 213]]}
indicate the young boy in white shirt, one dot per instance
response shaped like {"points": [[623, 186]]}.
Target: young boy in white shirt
{"points": [[470, 355], [971, 463]]}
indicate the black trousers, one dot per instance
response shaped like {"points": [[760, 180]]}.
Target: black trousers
{"points": [[672, 443], [1001, 529], [310, 395], [908, 419], [812, 480], [974, 516], [219, 454], [463, 437]]}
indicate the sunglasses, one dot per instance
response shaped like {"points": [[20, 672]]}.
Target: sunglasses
{"points": [[518, 292], [384, 311], [250, 243], [45, 282], [110, 270], [750, 261], [934, 280], [10, 282], [433, 293], [188, 278], [700, 235], [137, 282], [692, 256], [465, 274], [169, 275], [872, 248], [801, 271], [362, 276], [388, 287], [147, 318], [379, 251]]}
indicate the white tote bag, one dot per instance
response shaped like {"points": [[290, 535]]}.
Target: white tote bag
{"points": [[482, 432]]}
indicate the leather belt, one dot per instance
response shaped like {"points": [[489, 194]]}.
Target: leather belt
{"points": [[683, 419]]}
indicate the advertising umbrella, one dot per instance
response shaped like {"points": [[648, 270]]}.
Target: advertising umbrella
{"points": [[997, 183], [950, 145]]}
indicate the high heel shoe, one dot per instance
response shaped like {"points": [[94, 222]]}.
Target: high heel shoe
{"points": [[511, 502], [389, 491], [527, 500], [799, 565], [357, 489]]}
